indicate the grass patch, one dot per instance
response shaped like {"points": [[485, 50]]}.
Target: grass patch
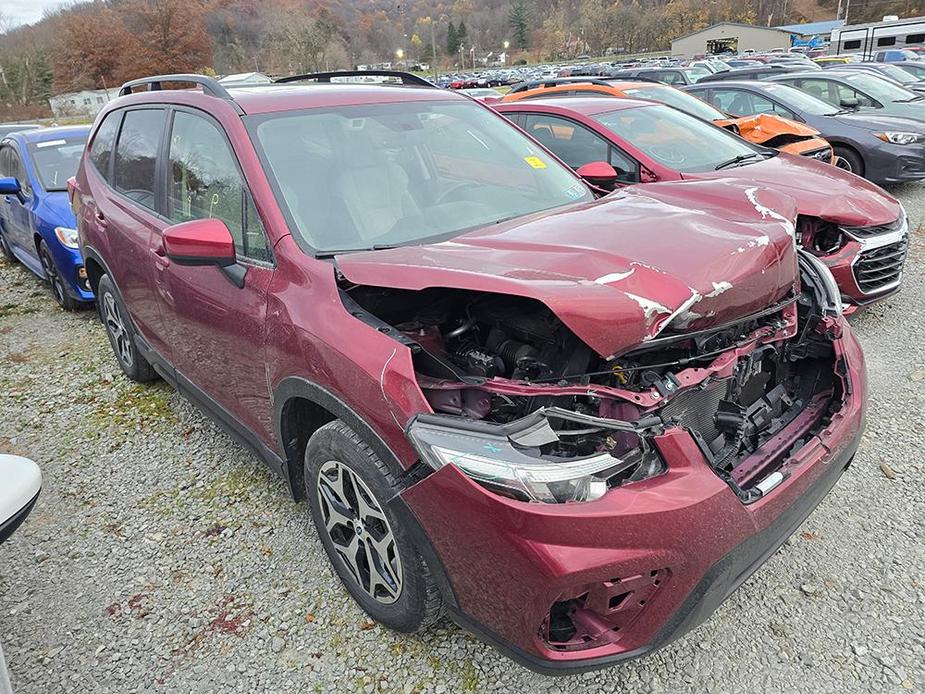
{"points": [[235, 485], [139, 404], [14, 309]]}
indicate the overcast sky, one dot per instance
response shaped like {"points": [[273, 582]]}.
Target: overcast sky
{"points": [[27, 11]]}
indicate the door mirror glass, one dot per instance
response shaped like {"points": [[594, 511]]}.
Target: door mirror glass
{"points": [[200, 242], [598, 172], [9, 186]]}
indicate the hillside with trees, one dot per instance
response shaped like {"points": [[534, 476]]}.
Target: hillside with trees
{"points": [[100, 44]]}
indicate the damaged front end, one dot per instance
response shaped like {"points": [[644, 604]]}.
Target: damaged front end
{"points": [[528, 410]]}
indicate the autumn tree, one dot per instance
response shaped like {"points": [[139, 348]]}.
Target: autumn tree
{"points": [[94, 49], [169, 37]]}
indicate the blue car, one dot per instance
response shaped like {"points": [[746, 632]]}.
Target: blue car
{"points": [[37, 226]]}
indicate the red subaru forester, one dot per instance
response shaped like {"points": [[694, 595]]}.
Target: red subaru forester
{"points": [[575, 424]]}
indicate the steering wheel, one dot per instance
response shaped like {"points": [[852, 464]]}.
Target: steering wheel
{"points": [[667, 154], [455, 188]]}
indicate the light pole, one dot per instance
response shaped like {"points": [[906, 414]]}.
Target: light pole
{"points": [[433, 46], [400, 54]]}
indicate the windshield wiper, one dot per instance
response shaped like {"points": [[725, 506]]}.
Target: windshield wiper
{"points": [[909, 101], [737, 160]]}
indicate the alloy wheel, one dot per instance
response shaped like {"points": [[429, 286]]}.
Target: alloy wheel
{"points": [[359, 531], [121, 339], [52, 277]]}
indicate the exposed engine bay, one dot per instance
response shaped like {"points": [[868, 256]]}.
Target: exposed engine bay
{"points": [[502, 360]]}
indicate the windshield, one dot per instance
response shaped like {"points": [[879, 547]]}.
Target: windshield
{"points": [[678, 99], [368, 176], [677, 140], [56, 161], [879, 88], [917, 70], [799, 100], [897, 73], [697, 73]]}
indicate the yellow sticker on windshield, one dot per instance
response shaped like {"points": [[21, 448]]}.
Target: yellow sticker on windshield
{"points": [[535, 162]]}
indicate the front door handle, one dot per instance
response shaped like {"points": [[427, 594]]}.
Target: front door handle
{"points": [[100, 219], [161, 261]]}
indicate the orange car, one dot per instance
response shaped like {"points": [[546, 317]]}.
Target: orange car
{"points": [[765, 129]]}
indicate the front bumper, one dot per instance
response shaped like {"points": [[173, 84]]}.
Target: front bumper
{"points": [[862, 276], [887, 163], [679, 544]]}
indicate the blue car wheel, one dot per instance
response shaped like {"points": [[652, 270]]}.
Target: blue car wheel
{"points": [[53, 277], [5, 248]]}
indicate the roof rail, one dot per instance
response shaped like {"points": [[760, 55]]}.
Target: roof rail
{"points": [[406, 78], [552, 82], [209, 86], [625, 78]]}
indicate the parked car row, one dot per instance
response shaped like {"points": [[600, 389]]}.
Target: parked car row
{"points": [[506, 392]]}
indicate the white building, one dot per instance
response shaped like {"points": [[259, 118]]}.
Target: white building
{"points": [[85, 103]]}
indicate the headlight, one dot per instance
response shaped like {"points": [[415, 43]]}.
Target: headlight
{"points": [[823, 281], [67, 236], [900, 138], [512, 466]]}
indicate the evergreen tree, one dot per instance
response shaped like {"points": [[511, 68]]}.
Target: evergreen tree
{"points": [[518, 22], [452, 40], [461, 33]]}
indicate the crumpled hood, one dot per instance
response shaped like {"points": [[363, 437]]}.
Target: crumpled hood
{"points": [[619, 270], [762, 127], [820, 190]]}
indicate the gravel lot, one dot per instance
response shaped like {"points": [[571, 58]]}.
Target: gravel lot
{"points": [[162, 556]]}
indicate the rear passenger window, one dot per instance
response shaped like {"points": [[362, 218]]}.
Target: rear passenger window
{"points": [[133, 172], [205, 182], [852, 45], [886, 41], [104, 141], [915, 38]]}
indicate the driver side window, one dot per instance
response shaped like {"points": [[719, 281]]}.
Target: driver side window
{"points": [[136, 155], [18, 171], [576, 145], [846, 92], [204, 182]]}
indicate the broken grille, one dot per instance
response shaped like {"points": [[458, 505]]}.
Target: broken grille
{"points": [[880, 267], [867, 232], [696, 409]]}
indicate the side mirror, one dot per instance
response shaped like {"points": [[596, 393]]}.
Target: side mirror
{"points": [[849, 103], [200, 242], [597, 173], [10, 186]]}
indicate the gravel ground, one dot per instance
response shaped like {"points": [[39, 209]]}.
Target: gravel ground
{"points": [[161, 556]]}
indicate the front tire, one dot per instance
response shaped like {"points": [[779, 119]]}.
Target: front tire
{"points": [[121, 333], [347, 484], [852, 158], [6, 249], [55, 281]]}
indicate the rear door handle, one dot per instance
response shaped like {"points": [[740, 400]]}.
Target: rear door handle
{"points": [[100, 219]]}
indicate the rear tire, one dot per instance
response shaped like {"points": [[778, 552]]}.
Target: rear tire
{"points": [[121, 333], [852, 158], [346, 485], [55, 281]]}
